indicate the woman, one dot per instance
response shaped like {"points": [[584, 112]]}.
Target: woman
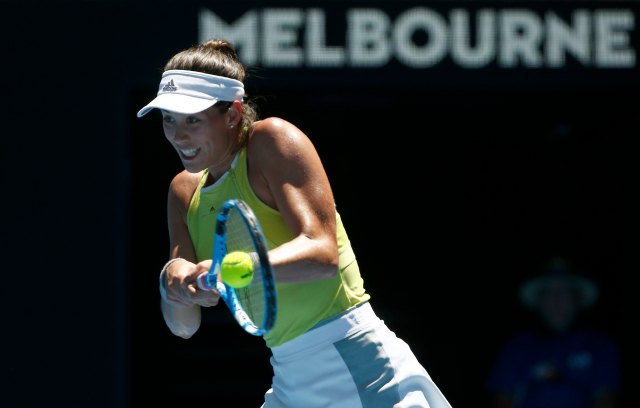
{"points": [[325, 321]]}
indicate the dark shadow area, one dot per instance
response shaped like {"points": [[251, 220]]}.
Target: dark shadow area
{"points": [[466, 185], [454, 185]]}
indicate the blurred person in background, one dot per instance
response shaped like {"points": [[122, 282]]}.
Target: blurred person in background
{"points": [[560, 360]]}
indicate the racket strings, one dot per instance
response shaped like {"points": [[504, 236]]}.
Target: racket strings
{"points": [[240, 238]]}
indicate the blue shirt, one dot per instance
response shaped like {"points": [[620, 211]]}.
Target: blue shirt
{"points": [[546, 371]]}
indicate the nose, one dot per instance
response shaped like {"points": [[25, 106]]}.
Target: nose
{"points": [[180, 133]]}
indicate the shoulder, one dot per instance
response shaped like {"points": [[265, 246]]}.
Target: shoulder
{"points": [[274, 125], [183, 185], [277, 133], [279, 154]]}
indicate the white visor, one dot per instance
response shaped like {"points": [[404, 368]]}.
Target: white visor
{"points": [[189, 92]]}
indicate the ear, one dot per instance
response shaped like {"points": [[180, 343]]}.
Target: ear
{"points": [[234, 114]]}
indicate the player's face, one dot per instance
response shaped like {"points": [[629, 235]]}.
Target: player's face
{"points": [[202, 140]]}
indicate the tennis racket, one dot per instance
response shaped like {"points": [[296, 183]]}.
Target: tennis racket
{"points": [[253, 306]]}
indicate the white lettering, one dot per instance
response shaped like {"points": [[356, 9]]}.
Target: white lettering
{"points": [[318, 54], [461, 50], [562, 38], [521, 34], [279, 37], [421, 37], [435, 48], [612, 39], [367, 37], [243, 34]]}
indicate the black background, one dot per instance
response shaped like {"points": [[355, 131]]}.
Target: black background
{"points": [[477, 177]]}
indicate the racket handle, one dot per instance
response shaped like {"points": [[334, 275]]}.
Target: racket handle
{"points": [[204, 283]]}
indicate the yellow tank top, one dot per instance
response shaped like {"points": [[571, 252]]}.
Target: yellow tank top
{"points": [[300, 305]]}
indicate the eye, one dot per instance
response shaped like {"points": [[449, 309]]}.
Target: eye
{"points": [[168, 119], [192, 119]]}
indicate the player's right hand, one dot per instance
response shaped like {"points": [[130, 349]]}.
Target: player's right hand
{"points": [[181, 286]]}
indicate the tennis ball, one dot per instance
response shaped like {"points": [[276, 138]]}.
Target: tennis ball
{"points": [[236, 269]]}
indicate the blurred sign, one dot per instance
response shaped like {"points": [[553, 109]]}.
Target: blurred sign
{"points": [[449, 40], [371, 37]]}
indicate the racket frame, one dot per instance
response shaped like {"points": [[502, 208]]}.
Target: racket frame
{"points": [[209, 280]]}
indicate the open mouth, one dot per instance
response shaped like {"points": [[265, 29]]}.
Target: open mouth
{"points": [[189, 153]]}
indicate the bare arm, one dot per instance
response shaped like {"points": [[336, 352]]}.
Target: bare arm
{"points": [[287, 174], [181, 309]]}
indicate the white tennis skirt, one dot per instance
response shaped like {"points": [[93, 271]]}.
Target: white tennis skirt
{"points": [[351, 361]]}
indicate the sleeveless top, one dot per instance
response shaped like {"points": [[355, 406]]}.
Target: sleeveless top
{"points": [[300, 305]]}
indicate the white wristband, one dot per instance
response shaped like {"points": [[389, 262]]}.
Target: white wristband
{"points": [[163, 279]]}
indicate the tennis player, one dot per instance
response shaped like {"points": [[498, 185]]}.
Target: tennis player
{"points": [[329, 349]]}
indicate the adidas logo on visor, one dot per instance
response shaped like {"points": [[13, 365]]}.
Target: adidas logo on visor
{"points": [[170, 87]]}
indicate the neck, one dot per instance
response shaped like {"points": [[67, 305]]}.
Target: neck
{"points": [[219, 169]]}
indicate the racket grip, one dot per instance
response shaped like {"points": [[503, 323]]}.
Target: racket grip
{"points": [[203, 281]]}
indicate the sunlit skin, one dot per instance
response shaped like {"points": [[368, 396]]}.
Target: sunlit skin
{"points": [[285, 173], [202, 140]]}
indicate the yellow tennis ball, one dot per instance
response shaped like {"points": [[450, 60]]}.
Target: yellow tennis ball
{"points": [[236, 269]]}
